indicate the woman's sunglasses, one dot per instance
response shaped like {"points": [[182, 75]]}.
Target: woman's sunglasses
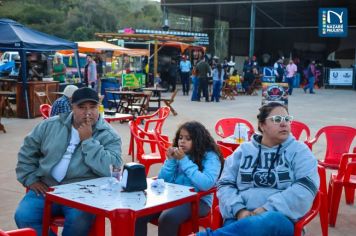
{"points": [[279, 119]]}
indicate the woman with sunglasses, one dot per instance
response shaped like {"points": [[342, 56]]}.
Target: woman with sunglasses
{"points": [[268, 183]]}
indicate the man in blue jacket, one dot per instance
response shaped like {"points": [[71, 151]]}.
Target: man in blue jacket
{"points": [[63, 149]]}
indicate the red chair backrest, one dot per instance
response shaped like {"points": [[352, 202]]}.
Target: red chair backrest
{"points": [[225, 127], [225, 151], [347, 167], [142, 142], [45, 110], [154, 121], [338, 142], [297, 129]]}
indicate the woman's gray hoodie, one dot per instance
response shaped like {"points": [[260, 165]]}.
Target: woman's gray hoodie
{"points": [[282, 178]]}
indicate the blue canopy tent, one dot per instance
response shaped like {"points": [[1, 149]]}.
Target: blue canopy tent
{"points": [[16, 37]]}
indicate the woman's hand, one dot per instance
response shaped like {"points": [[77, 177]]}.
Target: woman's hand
{"points": [[243, 213], [258, 211]]}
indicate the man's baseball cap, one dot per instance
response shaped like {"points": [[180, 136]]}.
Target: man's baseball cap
{"points": [[85, 94]]}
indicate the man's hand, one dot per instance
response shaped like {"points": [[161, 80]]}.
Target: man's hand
{"points": [[258, 211], [85, 130], [39, 188], [243, 213]]}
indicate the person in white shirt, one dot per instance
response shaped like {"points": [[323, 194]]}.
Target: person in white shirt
{"points": [[291, 72], [64, 149]]}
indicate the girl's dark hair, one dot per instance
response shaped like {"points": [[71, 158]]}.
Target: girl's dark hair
{"points": [[202, 142], [265, 110]]}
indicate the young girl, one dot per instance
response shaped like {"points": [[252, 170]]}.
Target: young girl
{"points": [[194, 160]]}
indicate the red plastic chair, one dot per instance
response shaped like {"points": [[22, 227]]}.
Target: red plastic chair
{"points": [[345, 177], [297, 128], [151, 122], [320, 206], [97, 229], [19, 232], [146, 158], [225, 127], [338, 142], [45, 110]]}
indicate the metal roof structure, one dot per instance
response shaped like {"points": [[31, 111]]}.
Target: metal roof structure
{"points": [[279, 26]]}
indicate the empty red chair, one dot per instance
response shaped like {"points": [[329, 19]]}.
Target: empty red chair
{"points": [[225, 127], [19, 232], [144, 140], [45, 110], [320, 206], [297, 128], [345, 177], [151, 122], [338, 142]]}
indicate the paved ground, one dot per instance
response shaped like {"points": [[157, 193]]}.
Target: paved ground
{"points": [[326, 107]]}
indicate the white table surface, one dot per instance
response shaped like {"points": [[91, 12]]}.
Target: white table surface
{"points": [[95, 193]]}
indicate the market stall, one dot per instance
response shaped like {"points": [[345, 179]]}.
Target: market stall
{"points": [[122, 66], [16, 37]]}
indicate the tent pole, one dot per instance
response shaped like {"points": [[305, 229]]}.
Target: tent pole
{"points": [[24, 80], [78, 66]]}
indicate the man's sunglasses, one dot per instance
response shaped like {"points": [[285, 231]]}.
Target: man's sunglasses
{"points": [[279, 119]]}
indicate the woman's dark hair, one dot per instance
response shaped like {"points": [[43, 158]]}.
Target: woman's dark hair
{"points": [[234, 73], [202, 142], [265, 110]]}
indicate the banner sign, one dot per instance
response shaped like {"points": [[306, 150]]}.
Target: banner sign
{"points": [[134, 80], [275, 92], [341, 76], [333, 22]]}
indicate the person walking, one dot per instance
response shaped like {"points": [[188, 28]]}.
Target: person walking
{"points": [[291, 72], [311, 78], [185, 67], [203, 69], [218, 79]]}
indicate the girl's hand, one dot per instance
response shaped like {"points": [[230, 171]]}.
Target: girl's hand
{"points": [[170, 152], [178, 153]]}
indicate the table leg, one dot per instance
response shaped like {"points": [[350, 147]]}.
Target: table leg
{"points": [[195, 210], [46, 217], [123, 223]]}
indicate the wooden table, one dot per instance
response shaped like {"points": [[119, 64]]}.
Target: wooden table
{"points": [[157, 91], [8, 84], [118, 117], [129, 95], [122, 208], [4, 102]]}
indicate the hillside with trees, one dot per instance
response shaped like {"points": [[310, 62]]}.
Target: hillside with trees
{"points": [[78, 20]]}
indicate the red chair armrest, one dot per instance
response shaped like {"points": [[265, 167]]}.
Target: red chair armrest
{"points": [[22, 232]]}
